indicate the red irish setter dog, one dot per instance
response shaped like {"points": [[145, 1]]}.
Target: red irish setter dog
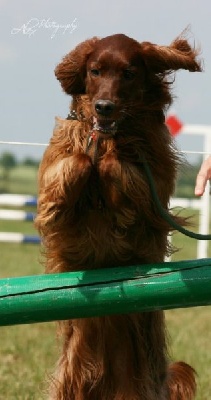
{"points": [[95, 211]]}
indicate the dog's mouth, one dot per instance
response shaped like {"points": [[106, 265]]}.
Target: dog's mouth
{"points": [[105, 126]]}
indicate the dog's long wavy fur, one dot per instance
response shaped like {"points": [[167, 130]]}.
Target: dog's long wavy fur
{"points": [[95, 211]]}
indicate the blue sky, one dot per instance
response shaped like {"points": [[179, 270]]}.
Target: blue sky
{"points": [[31, 97]]}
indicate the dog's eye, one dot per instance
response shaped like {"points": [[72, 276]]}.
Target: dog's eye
{"points": [[95, 71], [128, 74]]}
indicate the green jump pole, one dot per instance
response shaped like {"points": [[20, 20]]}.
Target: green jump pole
{"points": [[93, 293]]}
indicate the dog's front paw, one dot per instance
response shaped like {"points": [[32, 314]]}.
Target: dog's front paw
{"points": [[76, 174], [81, 163], [110, 167], [110, 172], [64, 180]]}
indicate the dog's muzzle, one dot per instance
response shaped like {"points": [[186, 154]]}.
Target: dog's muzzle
{"points": [[105, 127], [104, 122]]}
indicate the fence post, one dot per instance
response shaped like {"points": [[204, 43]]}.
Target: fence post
{"points": [[205, 214]]}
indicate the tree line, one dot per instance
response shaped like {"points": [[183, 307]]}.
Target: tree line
{"points": [[9, 160]]}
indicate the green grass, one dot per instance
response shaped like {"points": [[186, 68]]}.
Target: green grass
{"points": [[29, 352], [190, 333]]}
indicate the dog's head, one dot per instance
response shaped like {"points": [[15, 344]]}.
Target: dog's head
{"points": [[118, 73]]}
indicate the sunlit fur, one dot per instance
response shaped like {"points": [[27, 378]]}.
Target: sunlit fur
{"points": [[95, 210]]}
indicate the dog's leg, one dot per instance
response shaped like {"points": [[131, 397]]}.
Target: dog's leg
{"points": [[61, 183], [130, 365]]}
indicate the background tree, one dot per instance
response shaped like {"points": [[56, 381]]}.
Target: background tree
{"points": [[30, 162], [7, 162]]}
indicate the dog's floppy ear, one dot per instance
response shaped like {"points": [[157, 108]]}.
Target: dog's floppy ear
{"points": [[179, 55], [71, 71]]}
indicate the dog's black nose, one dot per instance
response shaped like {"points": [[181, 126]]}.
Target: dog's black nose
{"points": [[104, 107]]}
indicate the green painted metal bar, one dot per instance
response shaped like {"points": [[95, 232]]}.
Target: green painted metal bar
{"points": [[92, 293]]}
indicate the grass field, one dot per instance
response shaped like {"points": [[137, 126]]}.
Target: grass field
{"points": [[28, 352]]}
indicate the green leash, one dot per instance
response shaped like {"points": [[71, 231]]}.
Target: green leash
{"points": [[164, 214]]}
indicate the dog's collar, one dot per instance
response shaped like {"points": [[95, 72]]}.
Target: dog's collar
{"points": [[72, 115]]}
